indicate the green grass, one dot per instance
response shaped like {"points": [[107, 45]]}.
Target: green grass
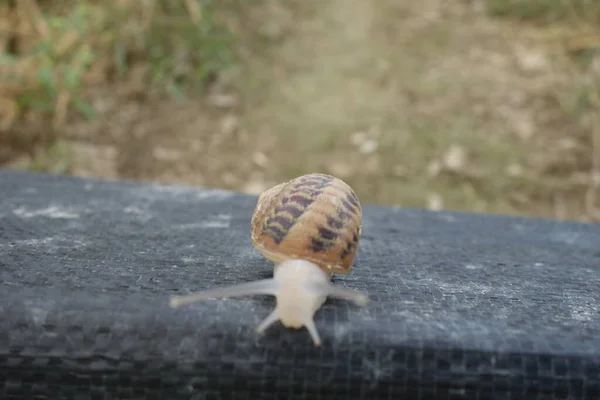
{"points": [[65, 48], [180, 45]]}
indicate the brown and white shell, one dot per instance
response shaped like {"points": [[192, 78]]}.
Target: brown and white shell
{"points": [[314, 217]]}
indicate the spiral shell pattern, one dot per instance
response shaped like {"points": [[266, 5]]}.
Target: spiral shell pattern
{"points": [[315, 217]]}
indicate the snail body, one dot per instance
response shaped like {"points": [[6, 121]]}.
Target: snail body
{"points": [[310, 228]]}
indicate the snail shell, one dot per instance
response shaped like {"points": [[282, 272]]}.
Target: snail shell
{"points": [[314, 217]]}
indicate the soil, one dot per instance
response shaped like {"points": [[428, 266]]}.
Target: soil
{"points": [[423, 103]]}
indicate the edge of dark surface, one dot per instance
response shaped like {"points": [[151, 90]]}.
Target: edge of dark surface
{"points": [[33, 176]]}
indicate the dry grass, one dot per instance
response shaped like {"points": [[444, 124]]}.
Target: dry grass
{"points": [[54, 53], [425, 104], [572, 29]]}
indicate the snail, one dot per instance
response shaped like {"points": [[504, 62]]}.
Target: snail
{"points": [[310, 228]]}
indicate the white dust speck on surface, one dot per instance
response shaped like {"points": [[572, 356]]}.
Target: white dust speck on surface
{"points": [[566, 237], [141, 214], [133, 210], [213, 194], [221, 221], [29, 242], [50, 212], [447, 217], [518, 227], [583, 308], [473, 288], [380, 367], [156, 192], [460, 392], [38, 315], [248, 252], [51, 243], [189, 260], [214, 224], [340, 330]]}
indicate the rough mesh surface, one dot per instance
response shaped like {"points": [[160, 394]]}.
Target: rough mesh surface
{"points": [[464, 306]]}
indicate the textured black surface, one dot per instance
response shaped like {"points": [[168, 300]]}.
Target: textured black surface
{"points": [[464, 306]]}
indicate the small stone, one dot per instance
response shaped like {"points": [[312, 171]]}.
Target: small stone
{"points": [[435, 202], [531, 60], [514, 170], [260, 159], [340, 169], [372, 165], [595, 178], [400, 171], [455, 157], [197, 146], [222, 100], [166, 154], [567, 143], [94, 160], [229, 124], [524, 127], [368, 146], [434, 169], [229, 179], [364, 143], [254, 187], [595, 65], [357, 138]]}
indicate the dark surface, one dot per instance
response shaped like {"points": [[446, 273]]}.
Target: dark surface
{"points": [[464, 306]]}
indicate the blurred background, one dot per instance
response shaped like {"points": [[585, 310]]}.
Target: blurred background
{"points": [[472, 105]]}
